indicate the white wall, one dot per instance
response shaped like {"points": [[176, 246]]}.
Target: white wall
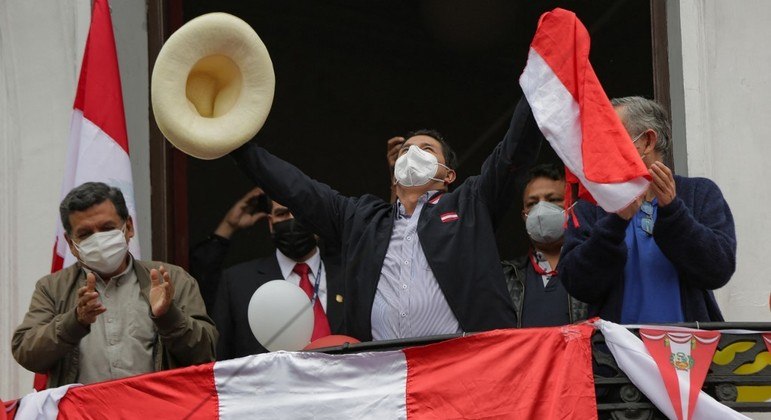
{"points": [[721, 93], [41, 47]]}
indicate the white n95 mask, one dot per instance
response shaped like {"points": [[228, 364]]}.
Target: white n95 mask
{"points": [[416, 167], [545, 222], [104, 252]]}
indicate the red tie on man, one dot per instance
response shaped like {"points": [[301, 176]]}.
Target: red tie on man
{"points": [[320, 323]]}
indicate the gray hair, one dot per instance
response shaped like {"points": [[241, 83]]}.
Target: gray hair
{"points": [[88, 195], [641, 114]]}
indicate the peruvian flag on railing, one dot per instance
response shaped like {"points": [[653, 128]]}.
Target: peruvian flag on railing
{"points": [[537, 373], [98, 147]]}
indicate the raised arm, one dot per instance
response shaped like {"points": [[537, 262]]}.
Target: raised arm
{"points": [[314, 203], [504, 171]]}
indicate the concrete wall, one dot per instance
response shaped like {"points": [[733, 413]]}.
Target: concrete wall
{"points": [[721, 94], [41, 47]]}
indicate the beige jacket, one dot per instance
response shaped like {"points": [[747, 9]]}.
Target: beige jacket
{"points": [[47, 340]]}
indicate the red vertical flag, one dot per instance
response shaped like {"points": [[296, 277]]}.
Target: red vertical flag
{"points": [[98, 144]]}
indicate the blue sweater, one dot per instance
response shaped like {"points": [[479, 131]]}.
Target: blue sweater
{"points": [[695, 232]]}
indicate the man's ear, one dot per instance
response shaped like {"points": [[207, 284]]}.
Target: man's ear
{"points": [[71, 245], [129, 228], [650, 138], [450, 176]]}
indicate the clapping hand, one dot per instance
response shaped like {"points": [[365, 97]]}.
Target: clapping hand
{"points": [[89, 306], [161, 291], [663, 183]]}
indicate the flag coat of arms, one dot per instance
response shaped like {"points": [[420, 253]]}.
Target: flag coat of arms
{"points": [[683, 358]]}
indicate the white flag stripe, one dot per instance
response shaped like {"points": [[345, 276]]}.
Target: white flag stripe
{"points": [[683, 376], [559, 118], [284, 385], [92, 155], [43, 404], [633, 358]]}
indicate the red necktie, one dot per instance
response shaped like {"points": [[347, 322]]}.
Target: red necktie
{"points": [[320, 323]]}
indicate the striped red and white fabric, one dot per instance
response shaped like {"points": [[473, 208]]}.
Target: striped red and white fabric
{"points": [[98, 148], [540, 373], [576, 117]]}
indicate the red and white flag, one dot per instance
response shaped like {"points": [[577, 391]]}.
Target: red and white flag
{"points": [[576, 117], [683, 359], [633, 358], [98, 147], [542, 373]]}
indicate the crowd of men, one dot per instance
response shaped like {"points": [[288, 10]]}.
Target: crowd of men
{"points": [[424, 263]]}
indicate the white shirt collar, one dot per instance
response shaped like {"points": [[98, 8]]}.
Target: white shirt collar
{"points": [[287, 264]]}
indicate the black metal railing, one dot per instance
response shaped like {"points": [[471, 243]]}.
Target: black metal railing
{"points": [[739, 376]]}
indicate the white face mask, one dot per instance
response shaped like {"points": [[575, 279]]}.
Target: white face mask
{"points": [[545, 222], [104, 252], [416, 167]]}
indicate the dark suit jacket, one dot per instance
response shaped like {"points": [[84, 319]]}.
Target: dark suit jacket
{"points": [[461, 251], [238, 284]]}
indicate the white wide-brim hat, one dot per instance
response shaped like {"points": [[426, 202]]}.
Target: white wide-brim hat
{"points": [[212, 85]]}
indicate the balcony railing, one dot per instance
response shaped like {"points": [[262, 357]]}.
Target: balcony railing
{"points": [[739, 377]]}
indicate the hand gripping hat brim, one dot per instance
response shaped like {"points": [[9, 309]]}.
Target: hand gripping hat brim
{"points": [[212, 86]]}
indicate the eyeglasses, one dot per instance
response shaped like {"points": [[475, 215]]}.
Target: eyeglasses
{"points": [[646, 223], [634, 140]]}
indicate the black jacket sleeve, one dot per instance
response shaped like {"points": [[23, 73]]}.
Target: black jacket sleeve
{"points": [[504, 171], [206, 259], [701, 243], [594, 253], [314, 203]]}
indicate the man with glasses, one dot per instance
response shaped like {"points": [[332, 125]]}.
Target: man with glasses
{"points": [[659, 259], [109, 315]]}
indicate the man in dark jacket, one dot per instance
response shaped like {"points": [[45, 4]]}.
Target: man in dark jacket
{"points": [[208, 256], [427, 264], [533, 279], [659, 259], [297, 255]]}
